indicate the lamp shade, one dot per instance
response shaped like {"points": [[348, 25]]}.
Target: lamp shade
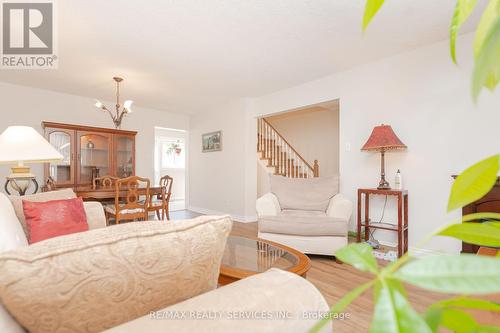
{"points": [[383, 138], [19, 144]]}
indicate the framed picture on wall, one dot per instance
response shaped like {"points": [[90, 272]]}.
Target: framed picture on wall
{"points": [[211, 141]]}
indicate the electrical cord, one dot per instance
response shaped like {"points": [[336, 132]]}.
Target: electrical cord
{"points": [[371, 231]]}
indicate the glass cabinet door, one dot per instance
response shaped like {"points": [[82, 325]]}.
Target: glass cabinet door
{"points": [[124, 156], [62, 171], [94, 156]]}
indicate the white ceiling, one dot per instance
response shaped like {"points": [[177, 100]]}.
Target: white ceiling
{"points": [[190, 55]]}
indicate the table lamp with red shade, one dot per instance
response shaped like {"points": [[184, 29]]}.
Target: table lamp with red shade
{"points": [[383, 139]]}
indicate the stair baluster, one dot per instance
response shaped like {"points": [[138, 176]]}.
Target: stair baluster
{"points": [[261, 124], [280, 155], [259, 135], [275, 147], [281, 158], [267, 141]]}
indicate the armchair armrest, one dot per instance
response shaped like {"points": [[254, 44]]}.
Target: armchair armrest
{"points": [[267, 307], [340, 207], [268, 205], [95, 214]]}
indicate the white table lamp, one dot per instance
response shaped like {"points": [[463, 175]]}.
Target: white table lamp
{"points": [[20, 145]]}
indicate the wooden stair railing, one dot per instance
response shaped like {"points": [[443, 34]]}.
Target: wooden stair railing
{"points": [[279, 154]]}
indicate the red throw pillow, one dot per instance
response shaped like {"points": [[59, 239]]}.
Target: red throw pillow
{"points": [[54, 218]]}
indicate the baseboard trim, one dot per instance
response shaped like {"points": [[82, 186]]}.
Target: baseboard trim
{"points": [[414, 251], [420, 252], [234, 217]]}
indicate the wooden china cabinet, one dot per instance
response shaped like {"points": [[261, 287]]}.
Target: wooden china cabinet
{"points": [[89, 151]]}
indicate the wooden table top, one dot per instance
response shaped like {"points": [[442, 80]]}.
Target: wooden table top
{"points": [[99, 192], [382, 192], [246, 256]]}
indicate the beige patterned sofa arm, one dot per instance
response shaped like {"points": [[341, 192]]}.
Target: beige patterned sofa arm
{"points": [[271, 303], [95, 214]]}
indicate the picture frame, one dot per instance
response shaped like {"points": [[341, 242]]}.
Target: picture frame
{"points": [[211, 142]]}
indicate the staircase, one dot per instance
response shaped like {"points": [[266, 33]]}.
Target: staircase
{"points": [[280, 156]]}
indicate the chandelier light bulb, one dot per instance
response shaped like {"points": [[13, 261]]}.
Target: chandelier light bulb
{"points": [[98, 104], [127, 104]]}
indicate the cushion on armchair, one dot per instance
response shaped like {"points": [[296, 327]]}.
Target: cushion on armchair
{"points": [[91, 281], [303, 225], [297, 212], [304, 193]]}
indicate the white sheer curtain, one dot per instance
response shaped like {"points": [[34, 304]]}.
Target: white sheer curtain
{"points": [[61, 141]]}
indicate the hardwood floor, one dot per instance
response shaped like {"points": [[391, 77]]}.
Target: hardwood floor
{"points": [[183, 215], [335, 280]]}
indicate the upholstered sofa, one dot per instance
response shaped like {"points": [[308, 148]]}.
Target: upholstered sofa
{"points": [[308, 214], [152, 276]]}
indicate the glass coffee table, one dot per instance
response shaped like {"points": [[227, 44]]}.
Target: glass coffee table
{"points": [[248, 256]]}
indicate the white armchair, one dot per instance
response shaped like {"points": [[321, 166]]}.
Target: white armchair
{"points": [[268, 205], [306, 214]]}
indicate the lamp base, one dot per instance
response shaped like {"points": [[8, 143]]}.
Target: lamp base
{"points": [[21, 172], [20, 180], [386, 186], [383, 184], [20, 185]]}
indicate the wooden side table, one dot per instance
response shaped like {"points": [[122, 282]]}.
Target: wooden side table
{"points": [[401, 228]]}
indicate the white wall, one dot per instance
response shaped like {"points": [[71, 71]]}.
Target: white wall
{"points": [[263, 183], [427, 101], [217, 178], [29, 106]]}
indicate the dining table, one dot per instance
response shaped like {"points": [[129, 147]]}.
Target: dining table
{"points": [[106, 193]]}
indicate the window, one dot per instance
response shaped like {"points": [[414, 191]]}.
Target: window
{"points": [[171, 153], [170, 159]]}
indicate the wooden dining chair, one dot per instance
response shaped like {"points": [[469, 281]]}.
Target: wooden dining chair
{"points": [[161, 202], [50, 185], [129, 190], [105, 181]]}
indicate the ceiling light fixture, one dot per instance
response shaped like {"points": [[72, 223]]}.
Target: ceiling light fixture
{"points": [[119, 112]]}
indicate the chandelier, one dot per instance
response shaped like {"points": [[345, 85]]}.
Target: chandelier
{"points": [[120, 112]]}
